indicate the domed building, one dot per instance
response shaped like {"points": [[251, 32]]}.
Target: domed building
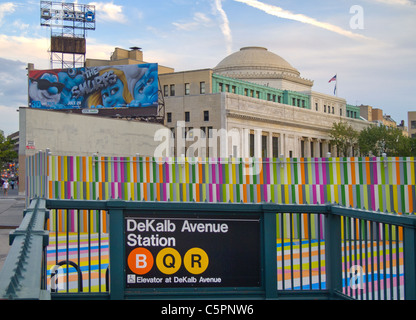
{"points": [[252, 103], [258, 65]]}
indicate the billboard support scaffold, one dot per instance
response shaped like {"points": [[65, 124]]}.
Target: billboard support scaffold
{"points": [[68, 23]]}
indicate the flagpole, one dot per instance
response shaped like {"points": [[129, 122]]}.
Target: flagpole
{"points": [[336, 85]]}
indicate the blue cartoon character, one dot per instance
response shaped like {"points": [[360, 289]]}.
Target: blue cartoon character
{"points": [[146, 89], [113, 93], [71, 78], [143, 83], [44, 89]]}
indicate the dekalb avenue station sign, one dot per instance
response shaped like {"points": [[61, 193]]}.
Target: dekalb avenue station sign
{"points": [[166, 251]]}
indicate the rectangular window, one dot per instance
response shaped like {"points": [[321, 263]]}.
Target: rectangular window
{"points": [[293, 101], [302, 148], [203, 132], [187, 89], [202, 87], [206, 115], [188, 133], [169, 116], [413, 124], [234, 89], [264, 146], [165, 90], [187, 116], [172, 90], [275, 143], [251, 145], [220, 87], [316, 106]]}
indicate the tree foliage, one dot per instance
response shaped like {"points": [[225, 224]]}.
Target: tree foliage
{"points": [[377, 140], [344, 137], [7, 154], [374, 140]]}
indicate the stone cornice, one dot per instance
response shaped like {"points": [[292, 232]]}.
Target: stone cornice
{"points": [[301, 125], [268, 75]]}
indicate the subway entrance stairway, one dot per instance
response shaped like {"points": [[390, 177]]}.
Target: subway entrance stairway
{"points": [[331, 252]]}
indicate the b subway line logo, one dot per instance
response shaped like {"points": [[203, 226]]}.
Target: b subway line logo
{"points": [[168, 261]]}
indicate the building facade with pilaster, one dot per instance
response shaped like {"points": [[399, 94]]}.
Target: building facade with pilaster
{"points": [[253, 103]]}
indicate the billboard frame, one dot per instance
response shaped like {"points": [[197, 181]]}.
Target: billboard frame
{"points": [[78, 90], [70, 15], [68, 23]]}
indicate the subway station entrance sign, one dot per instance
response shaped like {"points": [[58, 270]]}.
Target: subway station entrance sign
{"points": [[204, 250]]}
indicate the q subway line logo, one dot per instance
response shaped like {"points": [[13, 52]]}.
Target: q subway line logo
{"points": [[168, 261]]}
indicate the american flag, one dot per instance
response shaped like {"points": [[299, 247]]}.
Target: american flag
{"points": [[334, 78]]}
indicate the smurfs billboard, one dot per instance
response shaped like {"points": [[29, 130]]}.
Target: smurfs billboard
{"points": [[95, 87]]}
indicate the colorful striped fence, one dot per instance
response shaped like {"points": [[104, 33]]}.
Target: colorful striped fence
{"points": [[385, 184]]}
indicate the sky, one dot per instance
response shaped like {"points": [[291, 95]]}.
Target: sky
{"points": [[369, 44]]}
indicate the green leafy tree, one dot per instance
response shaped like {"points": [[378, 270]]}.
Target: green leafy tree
{"points": [[412, 144], [344, 137], [7, 154], [381, 139]]}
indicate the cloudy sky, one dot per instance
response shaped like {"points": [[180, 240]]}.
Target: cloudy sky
{"points": [[369, 44]]}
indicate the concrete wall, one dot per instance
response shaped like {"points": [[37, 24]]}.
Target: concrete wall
{"points": [[194, 78], [68, 134]]}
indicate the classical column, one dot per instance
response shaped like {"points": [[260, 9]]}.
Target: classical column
{"points": [[282, 144], [309, 147], [318, 148], [298, 146], [325, 148], [270, 145]]}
